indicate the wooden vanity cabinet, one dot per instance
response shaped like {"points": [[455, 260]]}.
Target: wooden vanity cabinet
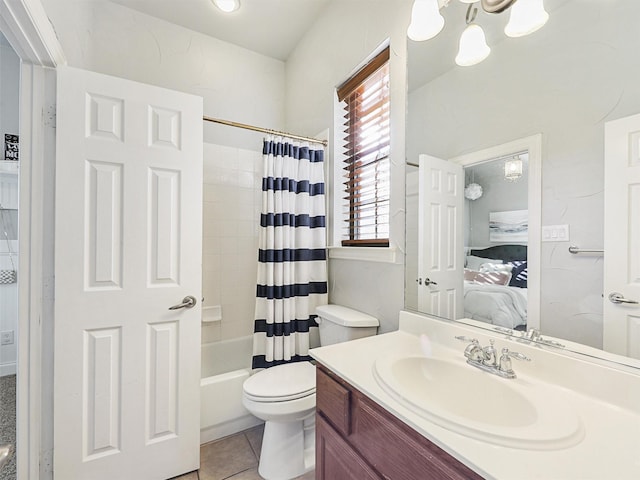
{"points": [[358, 439]]}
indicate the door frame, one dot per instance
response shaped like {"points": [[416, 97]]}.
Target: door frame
{"points": [[533, 145], [27, 28]]}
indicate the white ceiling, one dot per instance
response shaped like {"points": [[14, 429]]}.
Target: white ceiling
{"points": [[270, 27]]}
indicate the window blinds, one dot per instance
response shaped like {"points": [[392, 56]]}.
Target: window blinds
{"points": [[365, 98]]}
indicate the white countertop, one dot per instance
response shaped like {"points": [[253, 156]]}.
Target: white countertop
{"points": [[606, 399]]}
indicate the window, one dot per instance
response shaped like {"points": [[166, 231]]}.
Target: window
{"points": [[365, 99]]}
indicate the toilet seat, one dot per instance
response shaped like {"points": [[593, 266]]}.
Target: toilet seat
{"points": [[282, 383]]}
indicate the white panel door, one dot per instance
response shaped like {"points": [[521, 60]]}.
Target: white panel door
{"points": [[127, 247], [440, 238], [622, 237]]}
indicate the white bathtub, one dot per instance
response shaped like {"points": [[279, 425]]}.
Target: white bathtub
{"points": [[225, 366]]}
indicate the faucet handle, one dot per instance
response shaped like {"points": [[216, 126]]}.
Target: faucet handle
{"points": [[533, 334], [462, 338], [553, 343], [516, 355], [505, 362]]}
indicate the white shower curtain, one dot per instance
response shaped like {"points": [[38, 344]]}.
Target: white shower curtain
{"points": [[292, 267]]}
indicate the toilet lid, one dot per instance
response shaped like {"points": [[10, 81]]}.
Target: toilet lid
{"points": [[283, 382]]}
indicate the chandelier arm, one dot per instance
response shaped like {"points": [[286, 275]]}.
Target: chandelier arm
{"points": [[472, 13], [496, 6]]}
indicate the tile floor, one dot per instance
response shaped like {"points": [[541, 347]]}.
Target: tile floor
{"points": [[233, 458]]}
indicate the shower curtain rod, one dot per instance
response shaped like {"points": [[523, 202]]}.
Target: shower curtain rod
{"points": [[263, 130]]}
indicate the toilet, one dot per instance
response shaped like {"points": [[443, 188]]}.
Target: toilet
{"points": [[285, 398]]}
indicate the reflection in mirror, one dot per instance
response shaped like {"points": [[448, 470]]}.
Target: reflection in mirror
{"points": [[481, 274], [495, 231], [564, 82]]}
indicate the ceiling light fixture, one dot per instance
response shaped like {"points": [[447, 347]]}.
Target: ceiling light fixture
{"points": [[426, 21], [473, 46], [526, 17], [227, 6], [513, 168]]}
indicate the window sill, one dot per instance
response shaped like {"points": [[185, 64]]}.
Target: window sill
{"points": [[364, 254]]}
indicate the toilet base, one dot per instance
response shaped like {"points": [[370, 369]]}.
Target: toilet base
{"points": [[288, 449]]}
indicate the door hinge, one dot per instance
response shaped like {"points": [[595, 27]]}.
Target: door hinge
{"points": [[46, 464], [49, 116]]}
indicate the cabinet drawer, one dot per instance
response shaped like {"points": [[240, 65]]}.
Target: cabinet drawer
{"points": [[333, 401], [335, 459]]}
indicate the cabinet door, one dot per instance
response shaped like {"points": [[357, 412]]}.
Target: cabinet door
{"points": [[335, 459]]}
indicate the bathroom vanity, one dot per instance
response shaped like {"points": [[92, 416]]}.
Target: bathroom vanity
{"points": [[407, 405], [357, 438]]}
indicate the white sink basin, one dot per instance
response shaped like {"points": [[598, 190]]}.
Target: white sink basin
{"points": [[477, 404]]}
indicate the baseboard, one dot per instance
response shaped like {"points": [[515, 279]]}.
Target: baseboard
{"points": [[215, 432], [7, 369]]}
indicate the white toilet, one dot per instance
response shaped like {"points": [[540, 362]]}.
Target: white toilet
{"points": [[285, 398]]}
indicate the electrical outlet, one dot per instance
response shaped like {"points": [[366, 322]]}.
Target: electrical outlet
{"points": [[6, 338]]}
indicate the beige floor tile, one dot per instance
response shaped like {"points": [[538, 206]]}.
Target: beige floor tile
{"points": [[254, 475], [247, 475], [254, 435], [226, 457]]}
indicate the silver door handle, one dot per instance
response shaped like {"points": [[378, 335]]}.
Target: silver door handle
{"points": [[618, 298], [5, 454], [187, 302], [428, 281]]}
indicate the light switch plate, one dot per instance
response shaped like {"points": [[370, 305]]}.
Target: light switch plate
{"points": [[555, 233]]}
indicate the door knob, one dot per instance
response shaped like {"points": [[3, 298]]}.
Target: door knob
{"points": [[187, 302], [5, 454], [618, 298], [428, 281]]}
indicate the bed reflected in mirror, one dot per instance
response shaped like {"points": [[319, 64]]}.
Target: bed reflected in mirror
{"points": [[495, 242], [470, 251]]}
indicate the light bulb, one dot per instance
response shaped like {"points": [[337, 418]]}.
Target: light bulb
{"points": [[227, 6], [426, 20], [473, 46], [513, 168], [526, 17]]}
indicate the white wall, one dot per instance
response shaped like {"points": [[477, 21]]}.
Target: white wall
{"points": [[346, 33], [498, 195], [236, 84], [565, 81], [232, 201], [9, 122]]}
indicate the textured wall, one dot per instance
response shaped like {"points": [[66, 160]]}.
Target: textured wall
{"points": [[235, 83]]}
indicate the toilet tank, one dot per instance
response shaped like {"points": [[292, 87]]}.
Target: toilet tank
{"points": [[339, 324]]}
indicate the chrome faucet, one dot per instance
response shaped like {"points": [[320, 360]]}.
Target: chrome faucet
{"points": [[531, 335], [486, 359]]}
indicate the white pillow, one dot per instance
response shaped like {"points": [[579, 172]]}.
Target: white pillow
{"points": [[492, 278], [473, 262], [491, 267]]}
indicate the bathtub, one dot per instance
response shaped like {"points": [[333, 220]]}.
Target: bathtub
{"points": [[225, 366]]}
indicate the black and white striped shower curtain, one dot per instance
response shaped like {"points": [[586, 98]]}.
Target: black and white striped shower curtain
{"points": [[292, 265]]}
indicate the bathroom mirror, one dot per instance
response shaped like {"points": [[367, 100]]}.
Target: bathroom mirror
{"points": [[562, 83]]}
